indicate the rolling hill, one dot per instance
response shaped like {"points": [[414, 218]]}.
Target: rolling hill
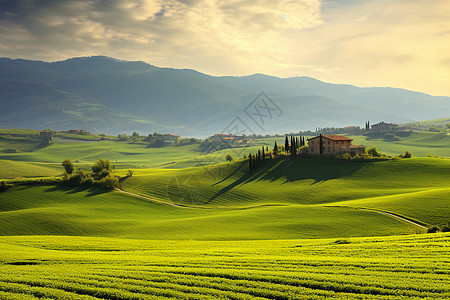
{"points": [[102, 94]]}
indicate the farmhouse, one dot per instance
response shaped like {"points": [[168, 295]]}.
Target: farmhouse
{"points": [[384, 127], [77, 131], [334, 144], [228, 138], [170, 138]]}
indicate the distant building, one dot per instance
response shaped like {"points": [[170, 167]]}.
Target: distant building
{"points": [[170, 138], [334, 144], [46, 135], [384, 127], [228, 138], [77, 131]]}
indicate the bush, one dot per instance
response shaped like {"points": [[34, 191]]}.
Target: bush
{"points": [[407, 154], [228, 157], [100, 165], [130, 173], [373, 152], [4, 186], [109, 182], [445, 228], [433, 229], [68, 166]]}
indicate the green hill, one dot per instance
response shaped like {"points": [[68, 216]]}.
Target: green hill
{"points": [[304, 182], [80, 212]]}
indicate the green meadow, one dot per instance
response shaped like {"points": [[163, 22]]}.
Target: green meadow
{"points": [[197, 227]]}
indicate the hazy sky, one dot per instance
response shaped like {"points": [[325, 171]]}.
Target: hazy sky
{"points": [[400, 43]]}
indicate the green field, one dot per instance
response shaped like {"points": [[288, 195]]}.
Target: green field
{"points": [[201, 228], [418, 188], [408, 267], [419, 143], [47, 210]]}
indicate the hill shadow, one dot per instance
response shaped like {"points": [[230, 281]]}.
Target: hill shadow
{"points": [[291, 170], [92, 191]]}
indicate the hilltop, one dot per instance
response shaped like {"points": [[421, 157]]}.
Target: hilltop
{"points": [[103, 94]]}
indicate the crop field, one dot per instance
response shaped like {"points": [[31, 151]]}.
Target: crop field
{"points": [[59, 267]]}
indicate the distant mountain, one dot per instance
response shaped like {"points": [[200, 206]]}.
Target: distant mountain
{"points": [[103, 94]]}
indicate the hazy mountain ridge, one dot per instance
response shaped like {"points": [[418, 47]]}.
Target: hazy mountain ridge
{"points": [[102, 94]]}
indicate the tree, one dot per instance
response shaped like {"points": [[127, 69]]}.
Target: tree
{"points": [[100, 165], [373, 152], [250, 162], [130, 172], [68, 166], [275, 148], [228, 157], [263, 155], [286, 144]]}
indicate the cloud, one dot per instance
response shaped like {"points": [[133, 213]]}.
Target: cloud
{"points": [[372, 42]]}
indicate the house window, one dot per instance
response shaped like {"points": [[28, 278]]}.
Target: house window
{"points": [[329, 149], [328, 142]]}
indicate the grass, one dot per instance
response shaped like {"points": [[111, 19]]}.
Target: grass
{"points": [[15, 169], [60, 267], [419, 143], [46, 210], [422, 181]]}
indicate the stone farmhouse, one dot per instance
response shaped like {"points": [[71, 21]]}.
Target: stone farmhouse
{"points": [[170, 138], [334, 144]]}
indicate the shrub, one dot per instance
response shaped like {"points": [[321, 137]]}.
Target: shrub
{"points": [[110, 182], [445, 228], [130, 173], [373, 152], [100, 165], [68, 166], [228, 157], [4, 186], [407, 154], [433, 229]]}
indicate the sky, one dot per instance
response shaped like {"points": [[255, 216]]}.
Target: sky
{"points": [[397, 43]]}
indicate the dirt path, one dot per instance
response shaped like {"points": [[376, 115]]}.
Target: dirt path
{"points": [[157, 201], [397, 217]]}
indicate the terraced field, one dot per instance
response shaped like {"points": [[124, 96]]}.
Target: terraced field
{"points": [[408, 267]]}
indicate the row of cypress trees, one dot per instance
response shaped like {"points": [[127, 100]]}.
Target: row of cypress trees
{"points": [[260, 157]]}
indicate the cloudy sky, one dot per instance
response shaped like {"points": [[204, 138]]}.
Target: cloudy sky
{"points": [[400, 43]]}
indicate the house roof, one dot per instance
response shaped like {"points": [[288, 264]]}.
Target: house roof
{"points": [[228, 138], [174, 135], [222, 134], [333, 137]]}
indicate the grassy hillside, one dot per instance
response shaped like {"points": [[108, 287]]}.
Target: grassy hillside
{"points": [[413, 267], [419, 143], [79, 212], [304, 182], [14, 169]]}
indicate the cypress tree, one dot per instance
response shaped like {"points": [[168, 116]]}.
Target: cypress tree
{"points": [[286, 144], [275, 148], [259, 158], [263, 155], [304, 141], [250, 162]]}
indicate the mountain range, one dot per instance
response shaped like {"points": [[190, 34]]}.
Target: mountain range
{"points": [[103, 94]]}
